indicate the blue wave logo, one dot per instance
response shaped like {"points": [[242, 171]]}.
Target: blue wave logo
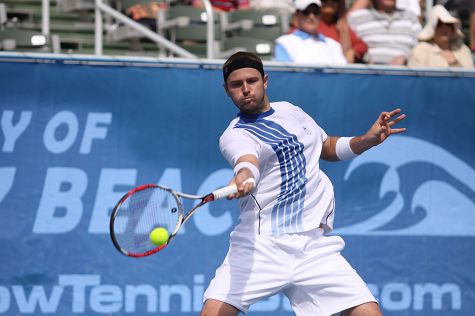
{"points": [[423, 191]]}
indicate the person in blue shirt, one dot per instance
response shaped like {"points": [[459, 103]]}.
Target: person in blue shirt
{"points": [[305, 44]]}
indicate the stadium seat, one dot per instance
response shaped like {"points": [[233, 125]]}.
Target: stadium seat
{"points": [[14, 39], [21, 11], [260, 47], [123, 39], [267, 25], [75, 5], [195, 29], [187, 27]]}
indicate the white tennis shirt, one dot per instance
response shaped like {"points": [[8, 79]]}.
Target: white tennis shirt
{"points": [[293, 194]]}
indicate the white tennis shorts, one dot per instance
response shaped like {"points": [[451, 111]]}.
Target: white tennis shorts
{"points": [[307, 267]]}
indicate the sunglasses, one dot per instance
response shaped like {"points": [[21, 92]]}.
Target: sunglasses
{"points": [[313, 8]]}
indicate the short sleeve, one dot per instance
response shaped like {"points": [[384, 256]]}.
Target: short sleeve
{"points": [[235, 143], [305, 117]]}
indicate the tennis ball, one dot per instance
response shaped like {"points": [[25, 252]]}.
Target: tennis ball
{"points": [[159, 236]]}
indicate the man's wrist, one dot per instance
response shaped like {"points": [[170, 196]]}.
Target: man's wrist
{"points": [[363, 143], [343, 149], [248, 165]]}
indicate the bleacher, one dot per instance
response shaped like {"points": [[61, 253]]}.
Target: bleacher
{"points": [[71, 29]]}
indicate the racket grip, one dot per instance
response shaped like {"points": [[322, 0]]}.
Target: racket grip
{"points": [[223, 192]]}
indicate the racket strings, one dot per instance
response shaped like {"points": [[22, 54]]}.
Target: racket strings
{"points": [[140, 213]]}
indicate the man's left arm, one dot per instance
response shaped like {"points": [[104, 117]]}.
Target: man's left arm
{"points": [[344, 148]]}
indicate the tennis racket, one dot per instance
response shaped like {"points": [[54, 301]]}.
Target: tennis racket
{"points": [[149, 206]]}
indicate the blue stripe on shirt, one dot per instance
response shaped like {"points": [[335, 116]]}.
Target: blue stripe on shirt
{"points": [[287, 212]]}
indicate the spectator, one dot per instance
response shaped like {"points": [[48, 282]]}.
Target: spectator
{"points": [[305, 44], [145, 13], [333, 24], [465, 10], [390, 33], [441, 43], [415, 6]]}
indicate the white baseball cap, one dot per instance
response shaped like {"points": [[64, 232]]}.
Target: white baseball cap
{"points": [[303, 4]]}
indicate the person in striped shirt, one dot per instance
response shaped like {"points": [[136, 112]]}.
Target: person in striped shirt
{"points": [[279, 245], [389, 33]]}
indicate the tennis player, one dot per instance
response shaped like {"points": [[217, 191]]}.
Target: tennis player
{"points": [[279, 244]]}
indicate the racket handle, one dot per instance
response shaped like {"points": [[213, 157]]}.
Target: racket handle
{"points": [[231, 189], [223, 192]]}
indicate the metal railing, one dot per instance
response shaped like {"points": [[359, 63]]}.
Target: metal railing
{"points": [[45, 17], [209, 30], [160, 40], [101, 7]]}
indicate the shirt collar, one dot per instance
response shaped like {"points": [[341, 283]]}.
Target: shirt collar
{"points": [[304, 35], [386, 16], [254, 117]]}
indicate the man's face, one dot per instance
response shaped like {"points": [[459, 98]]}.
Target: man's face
{"points": [[386, 5], [329, 7], [308, 19], [247, 89]]}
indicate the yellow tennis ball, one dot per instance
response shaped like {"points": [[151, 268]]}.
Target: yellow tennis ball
{"points": [[159, 236]]}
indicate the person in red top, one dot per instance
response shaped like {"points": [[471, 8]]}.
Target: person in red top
{"points": [[333, 24]]}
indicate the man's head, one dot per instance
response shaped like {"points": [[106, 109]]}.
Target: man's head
{"points": [[387, 6], [245, 82], [242, 60], [307, 14], [332, 10]]}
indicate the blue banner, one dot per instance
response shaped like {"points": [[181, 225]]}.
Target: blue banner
{"points": [[75, 136]]}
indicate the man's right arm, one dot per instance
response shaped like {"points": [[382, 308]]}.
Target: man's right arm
{"points": [[247, 166], [241, 151]]}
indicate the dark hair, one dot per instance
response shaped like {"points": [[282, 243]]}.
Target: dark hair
{"points": [[242, 60], [312, 8], [341, 9]]}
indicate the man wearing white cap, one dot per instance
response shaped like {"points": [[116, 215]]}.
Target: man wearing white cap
{"points": [[305, 44], [441, 43]]}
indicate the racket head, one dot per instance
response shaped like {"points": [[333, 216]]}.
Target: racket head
{"points": [[138, 212]]}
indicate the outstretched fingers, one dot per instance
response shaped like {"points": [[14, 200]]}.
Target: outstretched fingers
{"points": [[394, 112], [390, 120], [397, 119], [390, 125]]}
